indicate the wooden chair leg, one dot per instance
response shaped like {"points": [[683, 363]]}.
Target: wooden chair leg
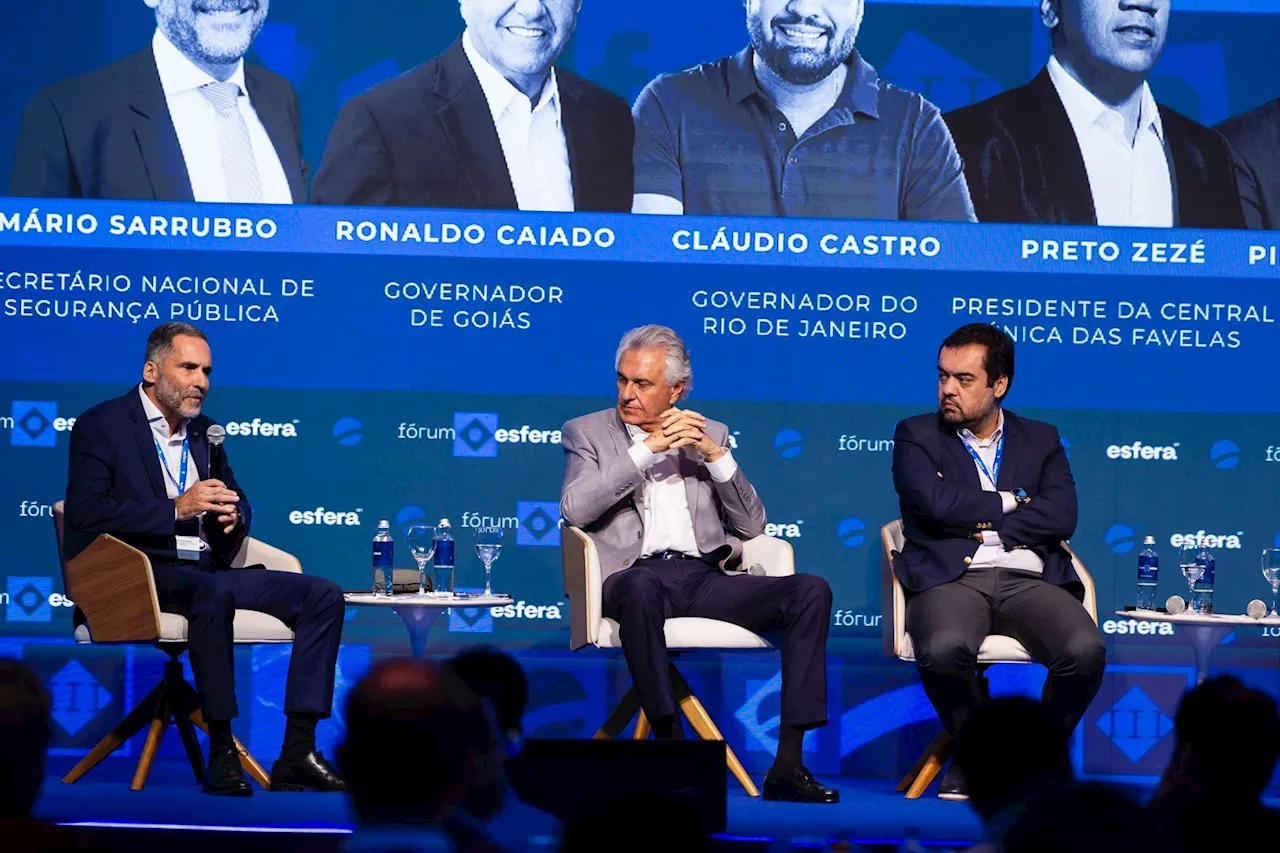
{"points": [[142, 714], [248, 763], [187, 731], [929, 750], [932, 766], [158, 724], [642, 727], [621, 715], [702, 723], [706, 729]]}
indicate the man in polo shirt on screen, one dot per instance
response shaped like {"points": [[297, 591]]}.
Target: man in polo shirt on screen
{"points": [[797, 124]]}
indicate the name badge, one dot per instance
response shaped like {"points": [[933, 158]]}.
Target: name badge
{"points": [[189, 547]]}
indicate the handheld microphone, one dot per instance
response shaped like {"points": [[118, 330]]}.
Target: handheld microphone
{"points": [[1256, 609], [1176, 604], [217, 457]]}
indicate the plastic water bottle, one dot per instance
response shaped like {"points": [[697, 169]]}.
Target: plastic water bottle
{"points": [[443, 559], [383, 559], [1148, 574], [1204, 587]]}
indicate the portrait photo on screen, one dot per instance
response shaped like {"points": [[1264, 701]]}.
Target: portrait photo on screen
{"points": [[1164, 113]]}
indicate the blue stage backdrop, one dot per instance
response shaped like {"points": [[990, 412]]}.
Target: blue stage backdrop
{"points": [[409, 365]]}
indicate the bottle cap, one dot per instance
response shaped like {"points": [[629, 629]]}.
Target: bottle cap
{"points": [[444, 522], [1148, 540], [384, 523]]}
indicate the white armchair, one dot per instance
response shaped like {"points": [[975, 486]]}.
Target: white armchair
{"points": [[995, 648], [112, 585], [589, 627]]}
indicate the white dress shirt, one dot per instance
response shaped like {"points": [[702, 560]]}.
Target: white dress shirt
{"points": [[171, 470], [532, 136], [1129, 178], [668, 526], [195, 121], [991, 552]]}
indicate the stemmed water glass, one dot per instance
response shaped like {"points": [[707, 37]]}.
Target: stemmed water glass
{"points": [[422, 545], [488, 547], [1271, 571], [1192, 570]]}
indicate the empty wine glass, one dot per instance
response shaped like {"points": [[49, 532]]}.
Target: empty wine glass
{"points": [[1192, 570], [488, 547], [1271, 571], [422, 545]]}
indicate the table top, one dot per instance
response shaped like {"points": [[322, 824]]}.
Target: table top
{"points": [[368, 599], [1223, 619]]}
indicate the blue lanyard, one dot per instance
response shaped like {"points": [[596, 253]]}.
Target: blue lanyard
{"points": [[182, 466], [983, 466]]}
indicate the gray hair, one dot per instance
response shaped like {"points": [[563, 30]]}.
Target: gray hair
{"points": [[678, 369], [160, 342]]}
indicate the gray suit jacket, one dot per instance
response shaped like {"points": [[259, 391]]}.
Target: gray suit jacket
{"points": [[603, 494]]}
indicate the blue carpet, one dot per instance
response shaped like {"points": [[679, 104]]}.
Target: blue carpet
{"points": [[869, 809]]}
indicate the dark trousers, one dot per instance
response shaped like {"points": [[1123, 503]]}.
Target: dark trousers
{"points": [[948, 623], [642, 597], [208, 597]]}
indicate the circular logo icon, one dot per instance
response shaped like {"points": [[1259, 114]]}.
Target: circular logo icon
{"points": [[852, 532], [788, 443], [348, 431]]}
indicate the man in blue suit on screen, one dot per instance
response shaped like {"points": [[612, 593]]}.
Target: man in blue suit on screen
{"points": [[139, 470], [987, 499], [185, 119]]}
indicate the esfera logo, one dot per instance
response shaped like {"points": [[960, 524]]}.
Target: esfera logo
{"points": [[263, 429], [521, 610], [35, 423], [320, 516], [784, 529], [1138, 626], [1200, 539], [477, 435], [1146, 452]]}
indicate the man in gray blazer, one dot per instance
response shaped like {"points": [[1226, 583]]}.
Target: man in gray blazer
{"points": [[664, 501]]}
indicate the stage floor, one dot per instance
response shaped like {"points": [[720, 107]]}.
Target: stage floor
{"points": [[869, 812]]}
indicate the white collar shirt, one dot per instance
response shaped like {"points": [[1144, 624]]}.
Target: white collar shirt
{"points": [[171, 444], [668, 525], [1129, 179], [991, 553], [195, 121], [532, 136]]}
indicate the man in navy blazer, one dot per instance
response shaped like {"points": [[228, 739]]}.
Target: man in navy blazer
{"points": [[148, 127], [987, 499], [139, 470], [1085, 143], [490, 123]]}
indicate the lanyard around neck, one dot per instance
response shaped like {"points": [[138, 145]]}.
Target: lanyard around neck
{"points": [[993, 474], [181, 479]]}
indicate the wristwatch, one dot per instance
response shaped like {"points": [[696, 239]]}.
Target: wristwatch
{"points": [[1021, 496]]}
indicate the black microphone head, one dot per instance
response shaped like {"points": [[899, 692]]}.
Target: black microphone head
{"points": [[216, 435]]}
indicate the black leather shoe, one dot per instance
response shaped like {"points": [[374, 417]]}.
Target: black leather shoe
{"points": [[309, 772], [797, 786], [953, 787], [224, 776]]}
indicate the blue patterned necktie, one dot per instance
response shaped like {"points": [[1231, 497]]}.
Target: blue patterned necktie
{"points": [[238, 163]]}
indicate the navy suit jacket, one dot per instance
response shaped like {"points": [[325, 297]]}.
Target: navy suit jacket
{"points": [[943, 503], [1023, 164], [1255, 141], [115, 485], [427, 139], [108, 134]]}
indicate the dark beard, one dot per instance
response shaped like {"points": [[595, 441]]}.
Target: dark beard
{"points": [[782, 62]]}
